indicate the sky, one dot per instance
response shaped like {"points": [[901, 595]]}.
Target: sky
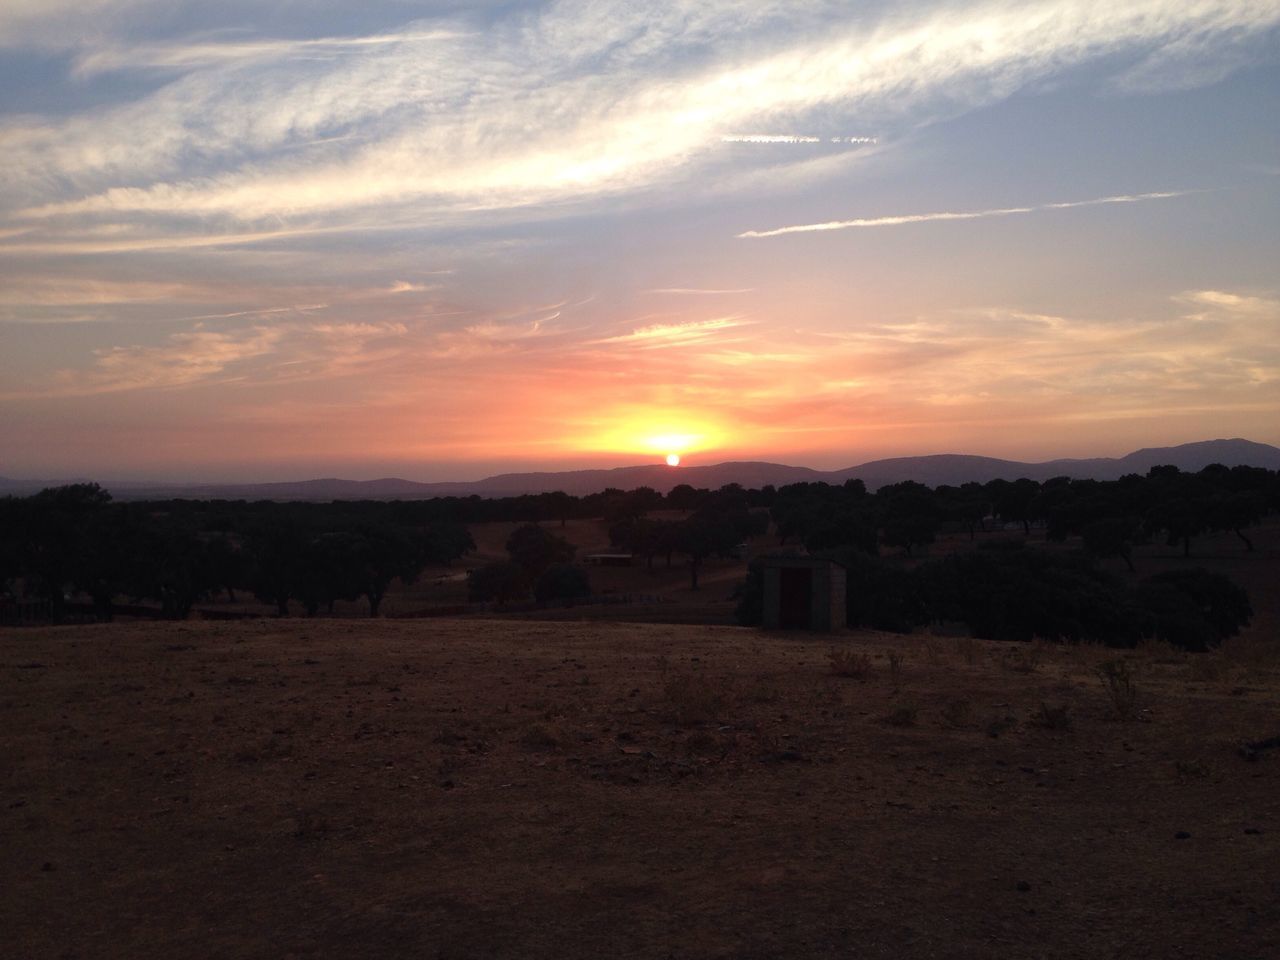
{"points": [[440, 240]]}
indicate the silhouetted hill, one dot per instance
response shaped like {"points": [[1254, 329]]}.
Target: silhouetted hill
{"points": [[955, 469], [935, 470]]}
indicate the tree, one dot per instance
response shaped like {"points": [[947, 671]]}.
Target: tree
{"points": [[701, 536], [535, 549], [503, 581], [383, 554], [55, 527], [276, 549], [908, 515], [1112, 537], [329, 570], [443, 542], [173, 566]]}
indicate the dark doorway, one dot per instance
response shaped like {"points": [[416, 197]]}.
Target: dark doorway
{"points": [[795, 598]]}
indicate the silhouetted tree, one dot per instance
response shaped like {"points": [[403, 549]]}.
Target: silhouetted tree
{"points": [[505, 582], [535, 549]]}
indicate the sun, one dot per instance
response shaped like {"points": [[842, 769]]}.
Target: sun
{"points": [[673, 459]]}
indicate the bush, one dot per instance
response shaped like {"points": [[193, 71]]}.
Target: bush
{"points": [[1020, 594], [503, 581], [1192, 609], [879, 594], [1122, 689], [562, 581]]}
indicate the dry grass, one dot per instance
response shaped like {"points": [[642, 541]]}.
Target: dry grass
{"points": [[405, 817], [1119, 680], [846, 662], [693, 698], [1052, 718]]}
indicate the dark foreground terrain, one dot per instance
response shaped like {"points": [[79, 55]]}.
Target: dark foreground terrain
{"points": [[519, 789]]}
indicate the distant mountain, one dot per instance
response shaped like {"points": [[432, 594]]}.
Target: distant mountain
{"points": [[955, 469], [936, 470]]}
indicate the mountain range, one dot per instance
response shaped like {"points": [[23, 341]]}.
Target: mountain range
{"points": [[936, 470]]}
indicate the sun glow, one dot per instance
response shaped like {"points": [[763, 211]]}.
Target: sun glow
{"points": [[664, 436], [673, 459]]}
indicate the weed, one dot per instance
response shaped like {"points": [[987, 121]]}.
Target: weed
{"points": [[762, 690], [1052, 718], [1158, 651], [896, 661], [1120, 682], [1255, 654], [1205, 668], [1023, 659], [847, 663], [692, 698], [968, 648], [998, 725], [904, 716], [957, 713], [1196, 768], [541, 736]]}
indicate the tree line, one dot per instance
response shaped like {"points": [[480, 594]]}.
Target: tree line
{"points": [[1007, 590], [75, 540]]}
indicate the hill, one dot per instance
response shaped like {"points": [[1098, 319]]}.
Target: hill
{"points": [[934, 470]]}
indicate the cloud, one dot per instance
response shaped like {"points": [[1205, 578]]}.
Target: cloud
{"points": [[662, 335], [899, 220], [187, 56], [279, 352], [791, 138], [698, 291], [625, 99]]}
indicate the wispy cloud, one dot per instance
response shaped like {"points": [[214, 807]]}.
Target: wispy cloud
{"points": [[791, 138], [699, 291], [277, 352], [225, 50], [662, 335], [442, 125], [900, 219]]}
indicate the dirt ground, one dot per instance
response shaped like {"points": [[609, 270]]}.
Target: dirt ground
{"points": [[472, 789]]}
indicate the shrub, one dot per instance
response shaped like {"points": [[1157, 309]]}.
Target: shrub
{"points": [[1052, 718], [957, 713], [1119, 681], [692, 699], [904, 716], [1016, 593], [562, 581], [503, 581], [1193, 609], [848, 663]]}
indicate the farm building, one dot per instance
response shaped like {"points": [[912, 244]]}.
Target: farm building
{"points": [[803, 593]]}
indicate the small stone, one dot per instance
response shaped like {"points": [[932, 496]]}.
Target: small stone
{"points": [[1252, 831], [448, 784], [1182, 835], [47, 867], [1023, 886]]}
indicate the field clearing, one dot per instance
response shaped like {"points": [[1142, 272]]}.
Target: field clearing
{"points": [[348, 788]]}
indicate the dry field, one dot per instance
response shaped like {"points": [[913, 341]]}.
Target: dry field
{"points": [[470, 789]]}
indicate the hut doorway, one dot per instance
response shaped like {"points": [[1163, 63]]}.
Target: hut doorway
{"points": [[795, 600]]}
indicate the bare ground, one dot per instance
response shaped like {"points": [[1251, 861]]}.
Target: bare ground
{"points": [[530, 789]]}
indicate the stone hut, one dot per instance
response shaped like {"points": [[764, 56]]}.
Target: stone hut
{"points": [[803, 593]]}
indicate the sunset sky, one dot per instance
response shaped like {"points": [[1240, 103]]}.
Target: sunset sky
{"points": [[270, 240]]}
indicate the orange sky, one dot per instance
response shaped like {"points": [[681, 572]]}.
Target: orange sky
{"points": [[442, 241]]}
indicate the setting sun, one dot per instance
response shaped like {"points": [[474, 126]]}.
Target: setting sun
{"points": [[673, 459]]}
